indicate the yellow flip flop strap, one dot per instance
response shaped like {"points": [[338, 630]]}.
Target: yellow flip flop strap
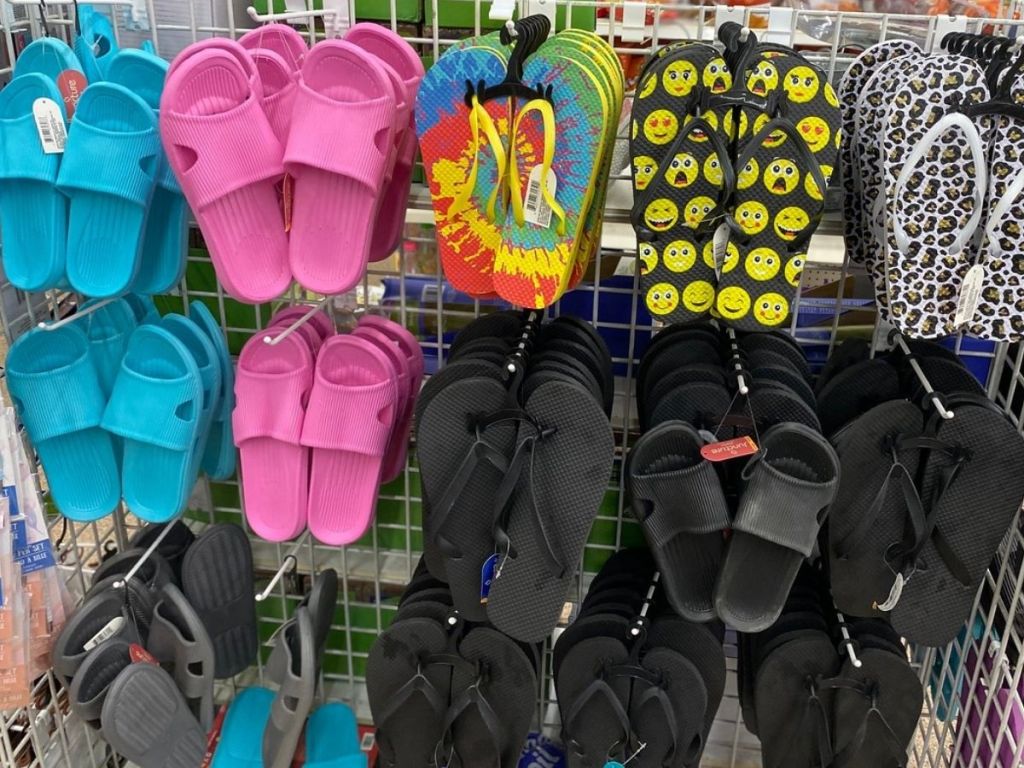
{"points": [[480, 118], [547, 113]]}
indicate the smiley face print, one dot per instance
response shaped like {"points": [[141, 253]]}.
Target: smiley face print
{"points": [[732, 257], [716, 77], [791, 222], [733, 302], [698, 296], [831, 97], [697, 210], [815, 132], [752, 217], [647, 86], [679, 78], [661, 214], [794, 268], [644, 168], [679, 256], [763, 78], [774, 139], [762, 264], [811, 188], [648, 258], [801, 84], [781, 176], [746, 177], [662, 299], [771, 309], [661, 127], [682, 171], [713, 170]]}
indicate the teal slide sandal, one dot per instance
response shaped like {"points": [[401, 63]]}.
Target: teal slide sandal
{"points": [[49, 56], [108, 171], [156, 406], [220, 455], [165, 243], [143, 307], [33, 213], [332, 738], [96, 44], [57, 394], [108, 330], [241, 737], [208, 363]]}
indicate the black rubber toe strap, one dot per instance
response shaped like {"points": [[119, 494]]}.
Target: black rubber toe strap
{"points": [[599, 688]]}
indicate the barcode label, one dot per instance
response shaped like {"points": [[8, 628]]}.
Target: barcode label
{"points": [[970, 295], [720, 247], [50, 125], [536, 208], [111, 628]]}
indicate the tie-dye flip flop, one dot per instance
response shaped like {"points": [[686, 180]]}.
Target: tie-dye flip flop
{"points": [[464, 158]]}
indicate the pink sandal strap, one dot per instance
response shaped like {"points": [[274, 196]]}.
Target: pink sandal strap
{"points": [[358, 419], [270, 405]]}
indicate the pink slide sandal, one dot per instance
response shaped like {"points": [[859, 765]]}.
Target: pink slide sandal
{"points": [[271, 387], [399, 55], [283, 40], [338, 151], [350, 415], [394, 461], [279, 88], [226, 158]]}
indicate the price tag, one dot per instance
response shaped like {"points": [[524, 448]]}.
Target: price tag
{"points": [[53, 135], [140, 655], [720, 246], [970, 295], [110, 629], [729, 449], [536, 209], [487, 576]]}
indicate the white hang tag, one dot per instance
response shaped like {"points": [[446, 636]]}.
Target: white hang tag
{"points": [[536, 209], [110, 629], [720, 246], [894, 595], [970, 295], [53, 135]]}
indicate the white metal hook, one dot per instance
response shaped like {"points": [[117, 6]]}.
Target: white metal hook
{"points": [[638, 627], [145, 556], [934, 396], [285, 564], [275, 340], [71, 318], [263, 18], [741, 381], [847, 642]]}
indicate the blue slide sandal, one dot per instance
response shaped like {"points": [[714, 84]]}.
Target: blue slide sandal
{"points": [[156, 406], [108, 330], [241, 737], [220, 456], [33, 213], [96, 44], [208, 363], [108, 171], [165, 244], [52, 57], [57, 394], [143, 307], [332, 738]]}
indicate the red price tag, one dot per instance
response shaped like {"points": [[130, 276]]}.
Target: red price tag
{"points": [[213, 737], [729, 449], [72, 85], [140, 655]]}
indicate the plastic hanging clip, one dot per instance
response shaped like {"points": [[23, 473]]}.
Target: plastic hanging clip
{"points": [[122, 583]]}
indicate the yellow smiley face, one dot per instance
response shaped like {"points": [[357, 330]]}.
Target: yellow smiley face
{"points": [[746, 178], [661, 214], [774, 139], [732, 257], [781, 177], [644, 168], [811, 188], [713, 170], [733, 302], [791, 222], [717, 77], [794, 268], [801, 84], [815, 132], [662, 299], [679, 78], [682, 171], [752, 217], [763, 78], [697, 210], [679, 255], [762, 264], [660, 127], [648, 258], [647, 86], [771, 309], [826, 172], [831, 97], [698, 296]]}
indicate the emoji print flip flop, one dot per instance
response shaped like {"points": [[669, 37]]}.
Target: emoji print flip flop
{"points": [[675, 224], [778, 203]]}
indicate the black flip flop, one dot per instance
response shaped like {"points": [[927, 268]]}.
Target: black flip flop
{"points": [[668, 710], [856, 390]]}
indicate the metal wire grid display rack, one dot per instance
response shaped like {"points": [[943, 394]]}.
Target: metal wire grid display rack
{"points": [[975, 682]]}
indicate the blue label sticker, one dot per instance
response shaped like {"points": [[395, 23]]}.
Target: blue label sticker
{"points": [[614, 764], [487, 576], [31, 557], [11, 493], [541, 752]]}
